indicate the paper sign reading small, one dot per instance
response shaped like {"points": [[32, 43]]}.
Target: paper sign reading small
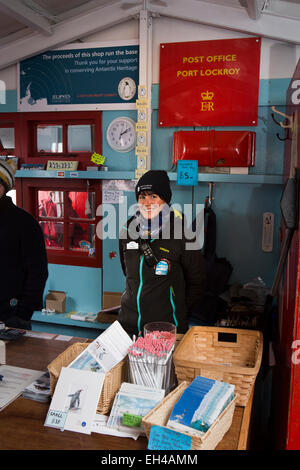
{"points": [[131, 420], [56, 419], [187, 172], [166, 439], [98, 159]]}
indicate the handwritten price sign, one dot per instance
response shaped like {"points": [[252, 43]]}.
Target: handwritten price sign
{"points": [[97, 158], [162, 438], [187, 172]]}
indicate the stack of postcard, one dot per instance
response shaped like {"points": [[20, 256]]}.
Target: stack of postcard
{"points": [[131, 404], [39, 390], [75, 399], [100, 426], [104, 352], [200, 405], [13, 380]]}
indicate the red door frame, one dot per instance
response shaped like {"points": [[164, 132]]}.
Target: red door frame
{"points": [[29, 187]]}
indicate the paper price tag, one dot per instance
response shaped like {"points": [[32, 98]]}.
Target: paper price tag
{"points": [[98, 159], [142, 103], [141, 127], [62, 165], [187, 172], [131, 420], [166, 439], [141, 150], [56, 419]]}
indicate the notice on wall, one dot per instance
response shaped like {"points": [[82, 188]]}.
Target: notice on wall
{"points": [[79, 77], [216, 83]]}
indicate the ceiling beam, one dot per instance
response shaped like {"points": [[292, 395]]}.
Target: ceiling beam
{"points": [[253, 9], [65, 32], [100, 18], [235, 19], [25, 15]]}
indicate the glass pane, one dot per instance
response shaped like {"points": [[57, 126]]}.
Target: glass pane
{"points": [[49, 139], [53, 234], [81, 205], [81, 138], [82, 237], [51, 204], [7, 138]]}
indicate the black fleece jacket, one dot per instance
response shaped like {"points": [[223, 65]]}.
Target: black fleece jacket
{"points": [[23, 261], [150, 297]]}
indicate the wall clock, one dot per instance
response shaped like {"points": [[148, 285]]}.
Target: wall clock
{"points": [[121, 134], [127, 88]]}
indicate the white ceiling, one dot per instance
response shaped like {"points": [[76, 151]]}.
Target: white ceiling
{"points": [[28, 27]]}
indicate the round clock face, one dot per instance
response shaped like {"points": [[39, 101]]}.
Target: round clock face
{"points": [[127, 88], [121, 134]]}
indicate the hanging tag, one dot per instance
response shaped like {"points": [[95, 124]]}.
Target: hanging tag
{"points": [[162, 268]]}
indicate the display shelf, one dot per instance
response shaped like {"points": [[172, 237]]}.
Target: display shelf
{"points": [[101, 175], [60, 323], [226, 178], [130, 175]]}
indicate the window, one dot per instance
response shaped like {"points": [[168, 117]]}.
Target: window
{"points": [[66, 212], [10, 134], [61, 135]]}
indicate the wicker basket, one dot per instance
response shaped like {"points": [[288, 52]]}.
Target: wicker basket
{"points": [[160, 414], [226, 354], [112, 381]]}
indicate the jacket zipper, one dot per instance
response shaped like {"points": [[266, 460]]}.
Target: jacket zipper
{"points": [[139, 294], [173, 305]]}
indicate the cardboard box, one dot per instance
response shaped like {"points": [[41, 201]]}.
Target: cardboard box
{"points": [[56, 300], [111, 299]]}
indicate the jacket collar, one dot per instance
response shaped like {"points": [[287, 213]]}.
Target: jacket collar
{"points": [[5, 203]]}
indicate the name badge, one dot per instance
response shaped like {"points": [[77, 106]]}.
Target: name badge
{"points": [[132, 246], [162, 268]]}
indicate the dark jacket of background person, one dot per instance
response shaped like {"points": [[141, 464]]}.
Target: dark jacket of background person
{"points": [[23, 262]]}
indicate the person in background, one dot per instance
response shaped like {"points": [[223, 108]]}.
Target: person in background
{"points": [[164, 279], [23, 257]]}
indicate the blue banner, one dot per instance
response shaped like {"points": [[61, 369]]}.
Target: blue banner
{"points": [[78, 77]]}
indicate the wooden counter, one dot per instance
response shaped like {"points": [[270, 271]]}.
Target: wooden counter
{"points": [[22, 422]]}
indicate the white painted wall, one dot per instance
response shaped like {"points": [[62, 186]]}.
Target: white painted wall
{"points": [[278, 59]]}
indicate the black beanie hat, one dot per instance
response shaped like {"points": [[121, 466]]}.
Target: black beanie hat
{"points": [[156, 181]]}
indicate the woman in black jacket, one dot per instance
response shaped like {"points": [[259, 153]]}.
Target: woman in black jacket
{"points": [[164, 279], [23, 257]]}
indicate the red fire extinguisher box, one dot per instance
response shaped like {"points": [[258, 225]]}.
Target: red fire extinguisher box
{"points": [[215, 148]]}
